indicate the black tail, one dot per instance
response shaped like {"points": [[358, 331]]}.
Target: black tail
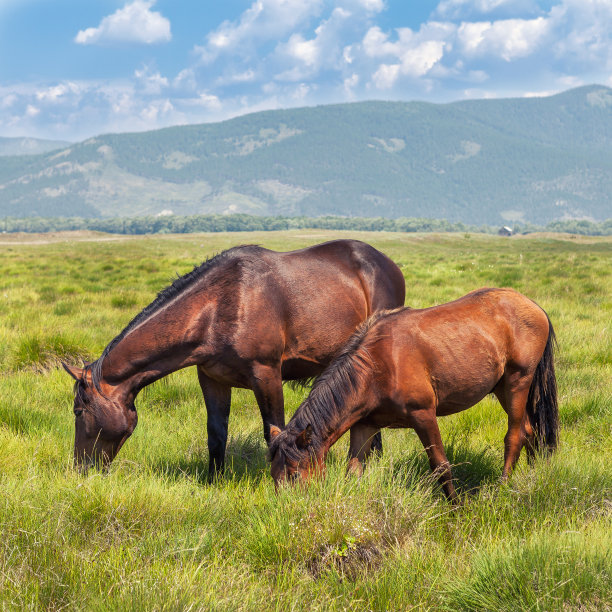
{"points": [[542, 408]]}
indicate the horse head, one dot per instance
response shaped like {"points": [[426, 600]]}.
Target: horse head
{"points": [[293, 456], [104, 420]]}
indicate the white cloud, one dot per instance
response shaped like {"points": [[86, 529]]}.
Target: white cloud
{"points": [[350, 83], [186, 80], [209, 101], [56, 92], [540, 94], [584, 32], [567, 82], [507, 38], [347, 54], [135, 22], [479, 94], [122, 104], [414, 53], [300, 92], [422, 58], [150, 82], [371, 6], [305, 51], [386, 76], [155, 110], [308, 56], [265, 20], [232, 78], [8, 101], [443, 50], [32, 111]]}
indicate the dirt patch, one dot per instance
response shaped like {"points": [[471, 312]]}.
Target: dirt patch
{"points": [[350, 559]]}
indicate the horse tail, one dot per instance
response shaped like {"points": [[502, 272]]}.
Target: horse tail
{"points": [[542, 407]]}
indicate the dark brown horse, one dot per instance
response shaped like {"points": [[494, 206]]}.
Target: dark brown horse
{"points": [[247, 318], [404, 368]]}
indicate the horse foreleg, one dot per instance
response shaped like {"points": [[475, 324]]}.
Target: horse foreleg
{"points": [[425, 423], [361, 447], [267, 385], [218, 399]]}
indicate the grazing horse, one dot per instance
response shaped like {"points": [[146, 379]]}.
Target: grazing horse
{"points": [[404, 368], [249, 318]]}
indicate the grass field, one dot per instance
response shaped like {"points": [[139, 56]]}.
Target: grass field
{"points": [[153, 535]]}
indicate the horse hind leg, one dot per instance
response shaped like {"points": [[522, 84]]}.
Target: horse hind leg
{"points": [[529, 439], [267, 384], [218, 399], [377, 444], [513, 398]]}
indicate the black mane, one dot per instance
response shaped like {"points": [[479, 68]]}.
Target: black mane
{"points": [[323, 407], [179, 285]]}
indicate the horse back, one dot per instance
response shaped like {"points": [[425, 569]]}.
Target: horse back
{"points": [[300, 307], [382, 281], [457, 352]]}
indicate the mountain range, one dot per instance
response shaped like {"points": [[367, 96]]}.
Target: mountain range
{"points": [[29, 146], [481, 161]]}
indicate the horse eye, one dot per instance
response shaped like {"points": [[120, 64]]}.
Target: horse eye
{"points": [[78, 412]]}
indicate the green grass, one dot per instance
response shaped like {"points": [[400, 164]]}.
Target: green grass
{"points": [[153, 535]]}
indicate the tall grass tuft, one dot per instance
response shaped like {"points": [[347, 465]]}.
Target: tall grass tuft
{"points": [[41, 352]]}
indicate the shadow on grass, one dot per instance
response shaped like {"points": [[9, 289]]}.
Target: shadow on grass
{"points": [[471, 468], [245, 459]]}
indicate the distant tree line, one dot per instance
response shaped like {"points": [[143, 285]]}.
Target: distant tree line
{"points": [[173, 224]]}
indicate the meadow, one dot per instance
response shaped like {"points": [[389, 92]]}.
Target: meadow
{"points": [[152, 534]]}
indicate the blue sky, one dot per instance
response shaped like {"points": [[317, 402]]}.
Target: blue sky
{"points": [[70, 69]]}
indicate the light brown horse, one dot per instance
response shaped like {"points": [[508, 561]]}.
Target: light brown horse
{"points": [[404, 368], [247, 318]]}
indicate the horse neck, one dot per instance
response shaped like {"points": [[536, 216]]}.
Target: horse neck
{"points": [[162, 344], [334, 406]]}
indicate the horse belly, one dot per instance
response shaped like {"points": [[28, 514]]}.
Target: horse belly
{"points": [[463, 394], [296, 368], [464, 365], [317, 335], [390, 413]]}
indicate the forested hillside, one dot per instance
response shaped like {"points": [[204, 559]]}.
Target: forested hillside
{"points": [[490, 161]]}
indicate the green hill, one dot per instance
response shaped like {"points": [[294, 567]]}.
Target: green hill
{"points": [[486, 161]]}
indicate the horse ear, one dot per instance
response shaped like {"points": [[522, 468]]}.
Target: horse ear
{"points": [[274, 431], [305, 438], [76, 373]]}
